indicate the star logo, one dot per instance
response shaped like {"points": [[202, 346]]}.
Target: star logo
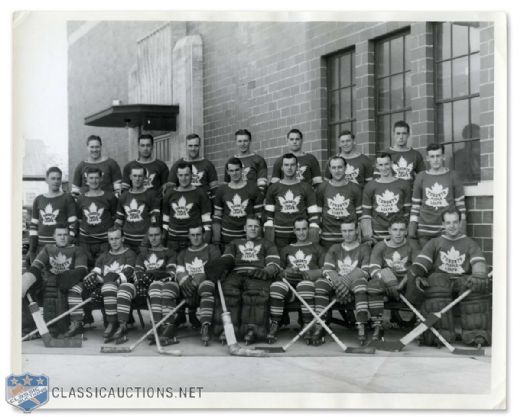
{"points": [[387, 202], [182, 210], [249, 251], [351, 173], [134, 211], [452, 261], [196, 176], [403, 169], [397, 263], [60, 263], [114, 267], [93, 215], [196, 266], [300, 171], [289, 202], [346, 266], [49, 215], [149, 179], [300, 261], [153, 262], [338, 206], [436, 196]]}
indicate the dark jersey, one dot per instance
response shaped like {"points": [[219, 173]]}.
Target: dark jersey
{"points": [[397, 258], [57, 260], [48, 212], [191, 261], [203, 173], [110, 180], [255, 170], [252, 254], [303, 257], [156, 259], [343, 260], [406, 164], [96, 216], [110, 262], [156, 174], [308, 169], [359, 169]]}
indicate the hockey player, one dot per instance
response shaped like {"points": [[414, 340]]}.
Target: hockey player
{"points": [[308, 168], [137, 209], [301, 263], [345, 270], [359, 168], [246, 288], [194, 286], [339, 200], [111, 172], [115, 271], [204, 174], [59, 268], [183, 207], [383, 199], [156, 171], [255, 168], [287, 199], [49, 209], [389, 262], [434, 192], [234, 202], [96, 212], [450, 264]]}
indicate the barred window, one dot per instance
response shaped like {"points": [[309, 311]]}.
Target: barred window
{"points": [[340, 80], [393, 82], [457, 66]]}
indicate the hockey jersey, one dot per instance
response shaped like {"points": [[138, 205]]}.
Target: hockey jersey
{"points": [[359, 169], [252, 254], [454, 256], [337, 204], [284, 203], [432, 196], [58, 260], [308, 169], [96, 216], [406, 164], [255, 169], [397, 258], [48, 212], [343, 260], [191, 261], [156, 259], [303, 257], [203, 173], [110, 180], [110, 262], [156, 174]]}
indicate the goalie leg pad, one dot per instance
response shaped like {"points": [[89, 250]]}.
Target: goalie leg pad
{"points": [[232, 289], [437, 296], [74, 297], [475, 317], [376, 297], [278, 294], [207, 301], [125, 295], [255, 307], [54, 303], [307, 290], [109, 293]]}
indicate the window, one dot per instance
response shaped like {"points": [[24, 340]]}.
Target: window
{"points": [[457, 66], [393, 81], [341, 85]]}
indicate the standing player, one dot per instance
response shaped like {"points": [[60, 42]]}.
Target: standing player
{"points": [[339, 200], [287, 199], [255, 168], [183, 207], [301, 263], [345, 270], [384, 199], [434, 192], [308, 168], [111, 173], [359, 168], [155, 170], [234, 202]]}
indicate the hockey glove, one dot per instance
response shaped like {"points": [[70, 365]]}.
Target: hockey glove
{"points": [[188, 286], [112, 277], [272, 271], [259, 274], [128, 274], [421, 283], [293, 275], [92, 281], [477, 283], [390, 281], [339, 285]]}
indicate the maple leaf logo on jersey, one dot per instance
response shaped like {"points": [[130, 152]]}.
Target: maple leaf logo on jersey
{"points": [[93, 215], [237, 207], [245, 173], [196, 176], [346, 265], [249, 251], [195, 267], [134, 211], [452, 261], [397, 263], [182, 210], [114, 267], [300, 261], [351, 173], [49, 215], [153, 262], [300, 171], [338, 206], [436, 196], [149, 178], [60, 263], [403, 169], [289, 202], [387, 203]]}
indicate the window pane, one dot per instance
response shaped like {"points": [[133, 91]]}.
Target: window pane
{"points": [[347, 126], [346, 104], [444, 122], [475, 117], [395, 118], [474, 39], [383, 59], [466, 160], [334, 106], [396, 55], [460, 76], [383, 95], [475, 73], [333, 73], [345, 70], [444, 80], [460, 118], [408, 91], [333, 135], [397, 96], [460, 40], [443, 41], [383, 130], [407, 60]]}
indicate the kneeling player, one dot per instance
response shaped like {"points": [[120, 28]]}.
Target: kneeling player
{"points": [[345, 270], [302, 262]]}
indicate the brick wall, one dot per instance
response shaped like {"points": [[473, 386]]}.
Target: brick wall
{"points": [[480, 223]]}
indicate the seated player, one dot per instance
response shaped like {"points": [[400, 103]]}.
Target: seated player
{"points": [[59, 268], [345, 271], [389, 262], [448, 265], [191, 276], [301, 262]]}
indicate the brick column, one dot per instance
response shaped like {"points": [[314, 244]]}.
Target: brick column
{"points": [[487, 90]]}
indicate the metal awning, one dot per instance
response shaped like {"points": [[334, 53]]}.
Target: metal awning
{"points": [[146, 116]]}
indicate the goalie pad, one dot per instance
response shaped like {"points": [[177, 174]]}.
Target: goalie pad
{"points": [[218, 269], [68, 279], [255, 308], [475, 317], [54, 303]]}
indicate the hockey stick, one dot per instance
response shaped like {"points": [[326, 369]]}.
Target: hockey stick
{"points": [[420, 329], [367, 350], [128, 349], [160, 349], [234, 348], [48, 340], [55, 319], [283, 349], [456, 351]]}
